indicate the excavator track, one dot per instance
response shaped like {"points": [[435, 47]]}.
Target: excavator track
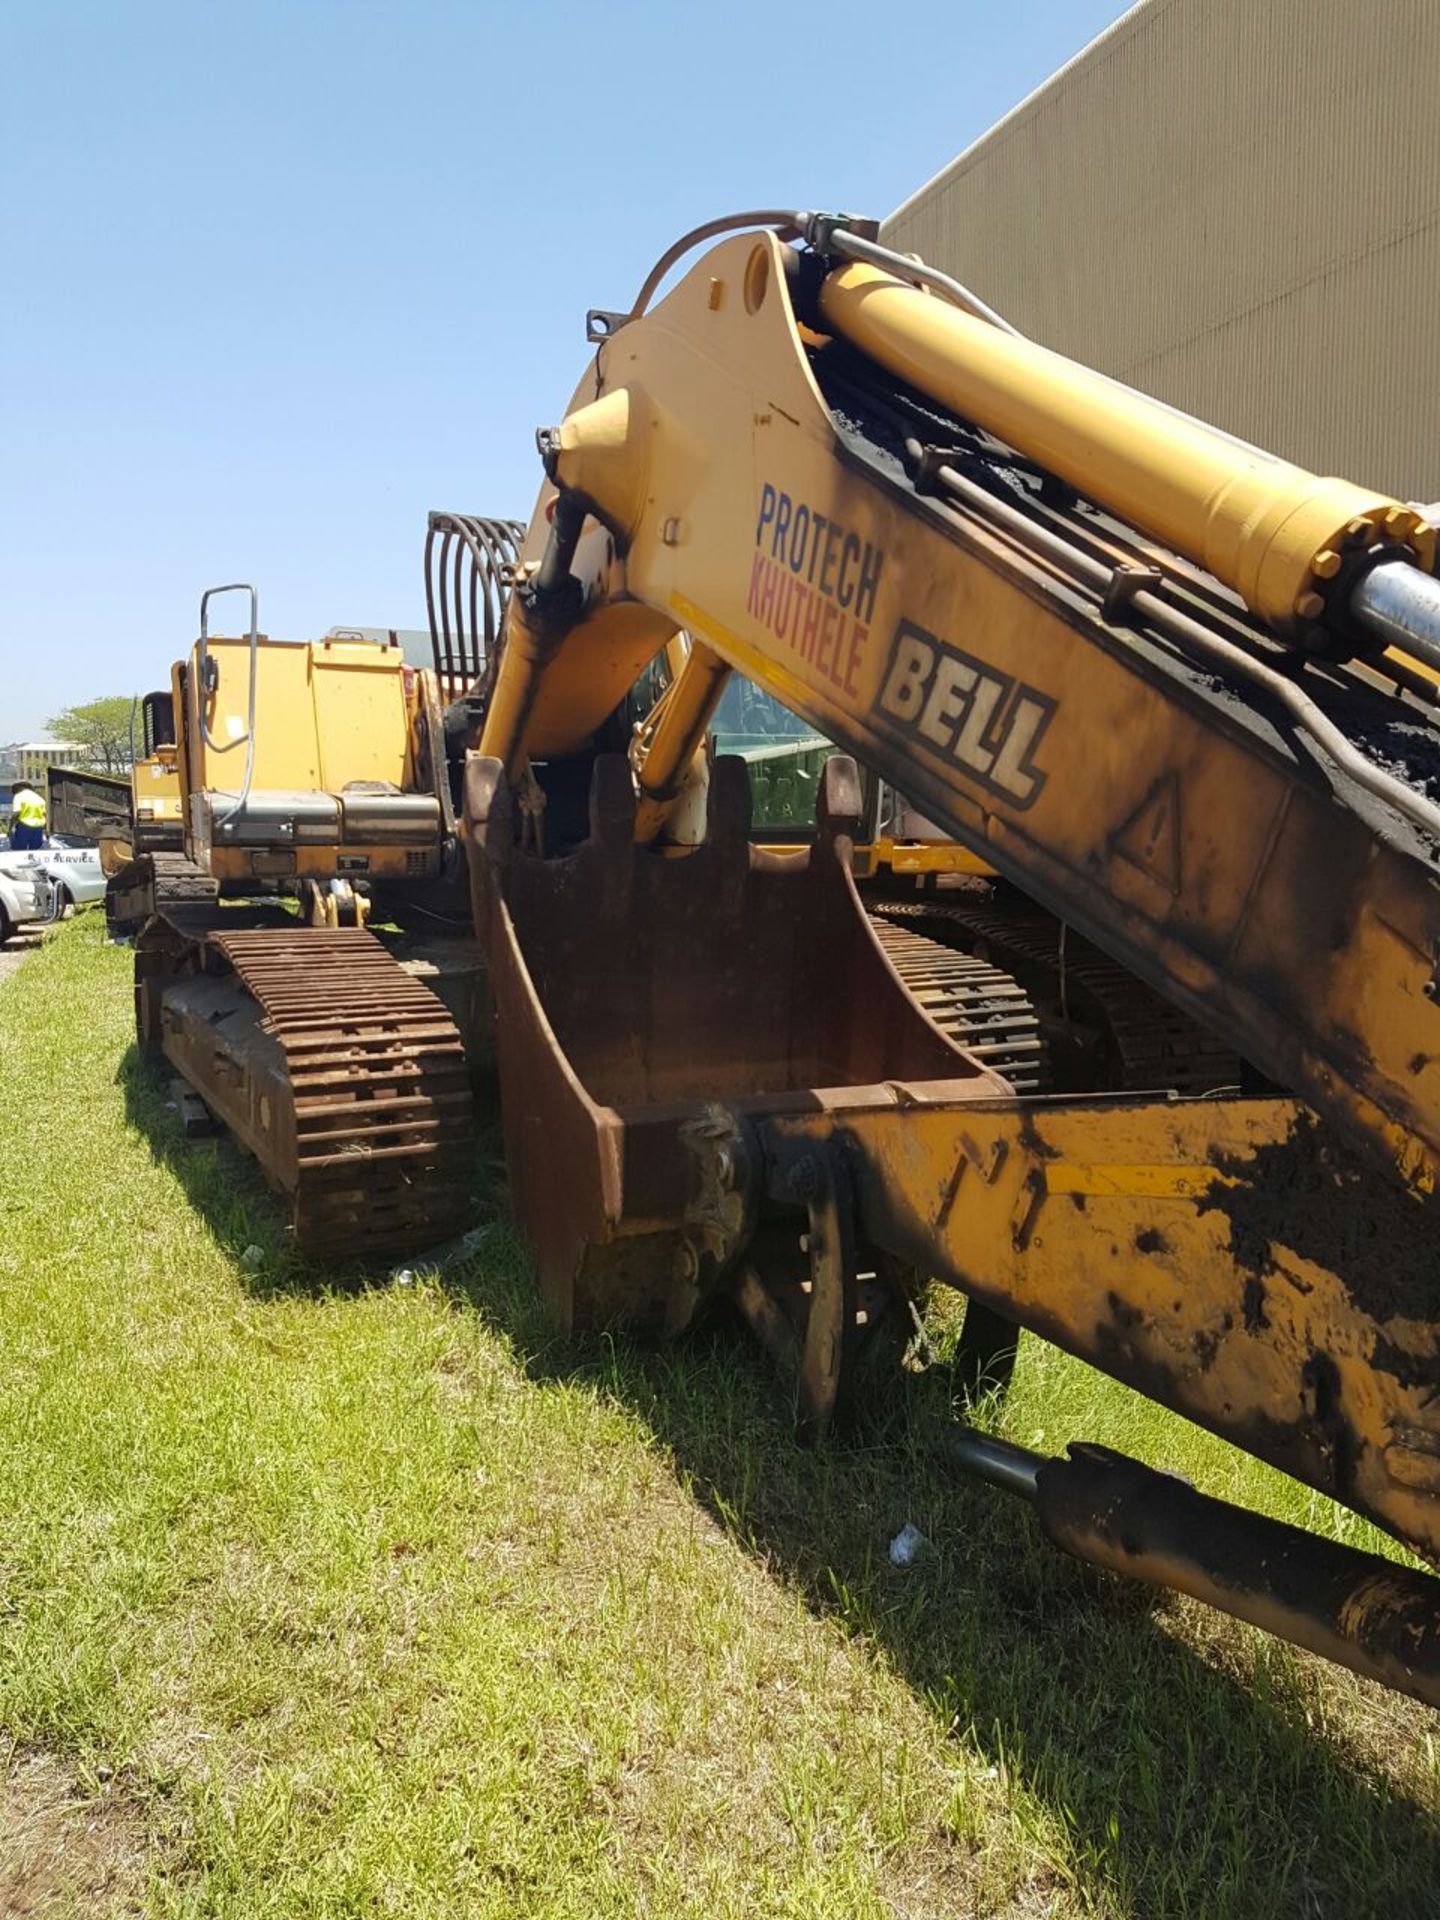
{"points": [[149, 883], [978, 1006], [180, 882], [375, 1066], [1154, 1045]]}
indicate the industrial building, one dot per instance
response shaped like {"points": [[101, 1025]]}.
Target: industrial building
{"points": [[1234, 207], [28, 759]]}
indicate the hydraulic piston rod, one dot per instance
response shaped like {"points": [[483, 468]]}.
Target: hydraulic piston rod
{"points": [[675, 729], [1291, 544], [1372, 1615], [1402, 607]]}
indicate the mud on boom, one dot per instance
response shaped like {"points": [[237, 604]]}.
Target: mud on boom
{"points": [[1159, 1077]]}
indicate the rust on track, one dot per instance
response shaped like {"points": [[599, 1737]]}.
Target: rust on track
{"points": [[383, 1126]]}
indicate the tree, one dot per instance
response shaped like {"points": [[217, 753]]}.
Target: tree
{"points": [[102, 727]]}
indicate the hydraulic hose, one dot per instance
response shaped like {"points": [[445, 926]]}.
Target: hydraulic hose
{"points": [[1095, 575], [786, 221]]}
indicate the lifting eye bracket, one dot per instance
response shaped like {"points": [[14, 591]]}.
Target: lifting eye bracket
{"points": [[601, 323]]}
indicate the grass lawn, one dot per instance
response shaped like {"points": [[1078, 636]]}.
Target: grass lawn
{"points": [[378, 1600]]}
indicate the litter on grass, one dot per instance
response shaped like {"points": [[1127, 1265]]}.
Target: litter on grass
{"points": [[906, 1545]]}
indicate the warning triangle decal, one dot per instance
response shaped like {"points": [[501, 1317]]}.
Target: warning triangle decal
{"points": [[1150, 838]]}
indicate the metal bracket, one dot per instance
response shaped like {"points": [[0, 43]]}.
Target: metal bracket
{"points": [[602, 323], [823, 1181], [925, 471], [1118, 605], [821, 228]]}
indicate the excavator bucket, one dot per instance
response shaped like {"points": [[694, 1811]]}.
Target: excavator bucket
{"points": [[716, 1084], [1157, 683], [637, 997]]}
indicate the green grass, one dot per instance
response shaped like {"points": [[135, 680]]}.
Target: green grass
{"points": [[379, 1600]]}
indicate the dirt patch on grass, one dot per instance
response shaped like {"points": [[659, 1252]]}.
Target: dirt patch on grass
{"points": [[18, 947], [64, 1849]]}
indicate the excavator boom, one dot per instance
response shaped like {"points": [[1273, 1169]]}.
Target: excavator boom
{"points": [[1115, 733]]}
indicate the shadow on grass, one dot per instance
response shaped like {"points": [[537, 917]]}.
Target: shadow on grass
{"points": [[221, 1181], [1182, 1786]]}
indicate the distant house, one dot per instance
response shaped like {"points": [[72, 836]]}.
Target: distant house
{"points": [[27, 760]]}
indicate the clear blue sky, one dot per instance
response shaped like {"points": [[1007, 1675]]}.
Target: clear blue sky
{"points": [[280, 276]]}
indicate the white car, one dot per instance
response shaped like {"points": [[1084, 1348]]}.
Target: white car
{"points": [[46, 883]]}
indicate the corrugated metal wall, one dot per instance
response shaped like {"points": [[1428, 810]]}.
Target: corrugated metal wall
{"points": [[1233, 204]]}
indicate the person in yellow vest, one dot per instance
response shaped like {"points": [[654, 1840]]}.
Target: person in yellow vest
{"points": [[27, 819]]}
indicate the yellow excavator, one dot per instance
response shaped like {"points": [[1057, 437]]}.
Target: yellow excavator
{"points": [[315, 791], [1176, 699], [156, 827]]}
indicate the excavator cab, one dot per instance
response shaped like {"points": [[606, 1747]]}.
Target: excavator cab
{"points": [[307, 770], [328, 785]]}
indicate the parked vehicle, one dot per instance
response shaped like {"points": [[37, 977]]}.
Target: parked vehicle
{"points": [[45, 884]]}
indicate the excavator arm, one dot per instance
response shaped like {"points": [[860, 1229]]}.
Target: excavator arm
{"points": [[1176, 691]]}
